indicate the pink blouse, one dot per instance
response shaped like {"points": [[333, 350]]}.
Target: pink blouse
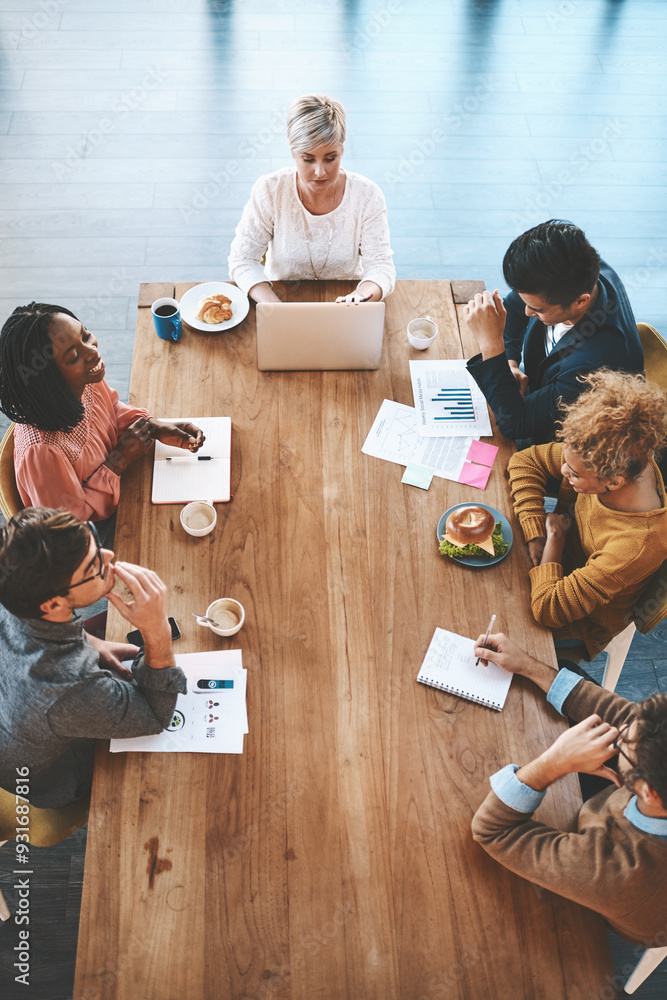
{"points": [[57, 469]]}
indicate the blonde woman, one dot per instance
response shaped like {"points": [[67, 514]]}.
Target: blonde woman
{"points": [[588, 571], [314, 221]]}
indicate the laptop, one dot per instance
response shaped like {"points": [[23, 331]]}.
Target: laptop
{"points": [[319, 336]]}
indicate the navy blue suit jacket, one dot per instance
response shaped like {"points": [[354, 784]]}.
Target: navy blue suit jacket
{"points": [[605, 337]]}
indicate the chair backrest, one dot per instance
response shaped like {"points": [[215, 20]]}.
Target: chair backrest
{"points": [[43, 826], [655, 354], [651, 608], [10, 498]]}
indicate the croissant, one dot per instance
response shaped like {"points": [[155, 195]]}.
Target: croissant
{"points": [[214, 309]]}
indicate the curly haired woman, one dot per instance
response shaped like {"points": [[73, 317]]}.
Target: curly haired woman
{"points": [[588, 570]]}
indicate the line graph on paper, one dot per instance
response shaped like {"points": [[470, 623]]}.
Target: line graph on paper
{"points": [[401, 435]]}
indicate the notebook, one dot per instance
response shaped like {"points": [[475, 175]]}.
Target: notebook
{"points": [[184, 477], [319, 336], [449, 664]]}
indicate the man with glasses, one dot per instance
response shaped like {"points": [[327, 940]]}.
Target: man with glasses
{"points": [[61, 689], [616, 861]]}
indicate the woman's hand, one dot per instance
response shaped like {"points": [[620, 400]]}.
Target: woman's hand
{"points": [[558, 526], [367, 291], [535, 549], [132, 444], [180, 435]]}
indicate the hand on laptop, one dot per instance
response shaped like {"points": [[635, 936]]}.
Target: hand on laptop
{"points": [[367, 291]]}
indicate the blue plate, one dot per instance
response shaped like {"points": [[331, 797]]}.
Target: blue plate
{"points": [[477, 561]]}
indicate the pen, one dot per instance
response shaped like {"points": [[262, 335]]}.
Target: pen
{"points": [[200, 458], [488, 632]]}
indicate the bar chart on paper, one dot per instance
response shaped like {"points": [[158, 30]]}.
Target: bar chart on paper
{"points": [[456, 403], [448, 402]]}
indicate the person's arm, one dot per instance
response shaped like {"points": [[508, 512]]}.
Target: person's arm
{"points": [[558, 598], [516, 324], [253, 235], [375, 249], [569, 693], [47, 478], [179, 434], [528, 472], [582, 866], [104, 707]]}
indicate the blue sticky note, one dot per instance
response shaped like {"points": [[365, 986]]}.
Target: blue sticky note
{"points": [[418, 475]]}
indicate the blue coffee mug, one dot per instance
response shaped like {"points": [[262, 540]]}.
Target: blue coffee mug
{"points": [[167, 319]]}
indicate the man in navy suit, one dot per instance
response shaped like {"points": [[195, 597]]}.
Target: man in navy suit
{"points": [[568, 314]]}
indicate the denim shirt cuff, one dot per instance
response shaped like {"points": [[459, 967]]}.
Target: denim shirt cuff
{"points": [[564, 683], [513, 792]]}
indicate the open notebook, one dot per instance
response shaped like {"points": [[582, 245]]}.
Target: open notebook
{"points": [[184, 478], [449, 664]]}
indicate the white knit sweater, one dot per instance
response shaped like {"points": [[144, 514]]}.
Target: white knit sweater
{"points": [[275, 221]]}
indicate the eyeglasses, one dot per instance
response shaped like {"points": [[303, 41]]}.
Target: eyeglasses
{"points": [[619, 739], [100, 561]]}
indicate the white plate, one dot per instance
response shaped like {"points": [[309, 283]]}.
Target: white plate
{"points": [[191, 299]]}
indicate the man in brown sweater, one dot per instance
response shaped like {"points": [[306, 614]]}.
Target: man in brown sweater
{"points": [[616, 861]]}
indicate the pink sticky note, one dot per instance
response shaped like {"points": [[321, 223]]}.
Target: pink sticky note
{"points": [[474, 475], [483, 453]]}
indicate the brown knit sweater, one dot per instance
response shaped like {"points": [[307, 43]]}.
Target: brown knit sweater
{"points": [[609, 555], [608, 864]]}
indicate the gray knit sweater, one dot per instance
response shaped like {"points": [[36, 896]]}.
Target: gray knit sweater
{"points": [[55, 701]]}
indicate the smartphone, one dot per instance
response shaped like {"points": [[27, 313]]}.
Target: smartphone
{"points": [[136, 637]]}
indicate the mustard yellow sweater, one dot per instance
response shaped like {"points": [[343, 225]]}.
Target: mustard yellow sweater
{"points": [[609, 555]]}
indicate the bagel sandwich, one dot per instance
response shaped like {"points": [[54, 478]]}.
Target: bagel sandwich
{"points": [[472, 531]]}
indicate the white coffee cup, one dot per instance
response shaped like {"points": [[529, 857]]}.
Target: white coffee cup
{"points": [[229, 615], [422, 332], [199, 517]]}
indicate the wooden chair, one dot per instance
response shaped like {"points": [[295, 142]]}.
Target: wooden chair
{"points": [[45, 827], [10, 499], [649, 961]]}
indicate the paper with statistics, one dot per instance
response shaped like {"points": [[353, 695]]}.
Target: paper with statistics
{"points": [[179, 475], [448, 401], [394, 438], [203, 721]]}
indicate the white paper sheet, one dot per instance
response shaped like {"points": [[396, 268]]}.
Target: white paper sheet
{"points": [[448, 401], [394, 438], [206, 722]]}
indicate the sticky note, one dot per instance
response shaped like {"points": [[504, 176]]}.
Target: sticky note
{"points": [[417, 475], [483, 453], [474, 475]]}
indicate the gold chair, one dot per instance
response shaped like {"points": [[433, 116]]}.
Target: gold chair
{"points": [[10, 499], [651, 607], [44, 827], [655, 354]]}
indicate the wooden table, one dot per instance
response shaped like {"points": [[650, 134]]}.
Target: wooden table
{"points": [[333, 859]]}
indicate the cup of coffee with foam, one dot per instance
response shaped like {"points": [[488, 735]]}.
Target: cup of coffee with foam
{"points": [[227, 614], [167, 319], [422, 332], [198, 518]]}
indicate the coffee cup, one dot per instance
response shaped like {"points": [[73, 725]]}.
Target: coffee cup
{"points": [[422, 332], [167, 319], [198, 518], [228, 615]]}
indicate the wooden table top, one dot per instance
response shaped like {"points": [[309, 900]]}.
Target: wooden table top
{"points": [[334, 858]]}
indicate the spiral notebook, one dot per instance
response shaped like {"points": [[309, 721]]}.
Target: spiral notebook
{"points": [[449, 664]]}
